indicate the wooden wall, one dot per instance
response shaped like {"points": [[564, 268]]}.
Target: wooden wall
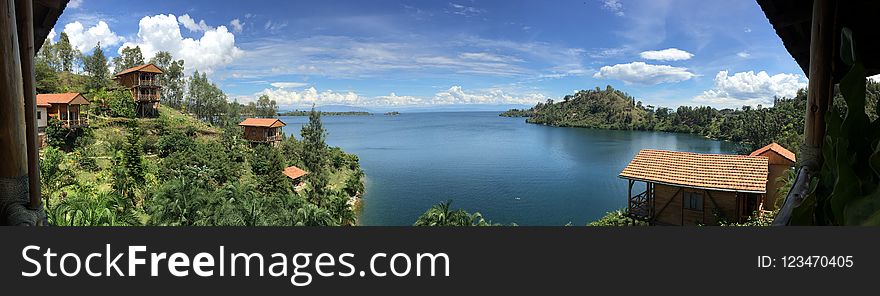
{"points": [[669, 206], [776, 171]]}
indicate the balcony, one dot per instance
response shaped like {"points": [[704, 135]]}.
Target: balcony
{"points": [[147, 97], [148, 82], [75, 123]]}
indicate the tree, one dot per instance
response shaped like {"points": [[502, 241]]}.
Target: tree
{"points": [[314, 156], [96, 67], [56, 173], [312, 215], [128, 168], [45, 77], [442, 215], [266, 107], [268, 166], [128, 57], [66, 53], [173, 80]]}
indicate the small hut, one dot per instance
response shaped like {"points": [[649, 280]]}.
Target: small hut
{"points": [[296, 175], [262, 130], [683, 188], [66, 107]]}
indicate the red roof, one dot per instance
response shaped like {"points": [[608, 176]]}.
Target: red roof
{"points": [[775, 148], [150, 68], [293, 172], [262, 122], [705, 171], [65, 98]]}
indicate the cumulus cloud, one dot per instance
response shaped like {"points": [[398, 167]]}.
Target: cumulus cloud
{"points": [[641, 73], [614, 6], [74, 3], [51, 36], [876, 78], [288, 84], [191, 24], [669, 54], [215, 48], [237, 25], [85, 39], [455, 95], [750, 88]]}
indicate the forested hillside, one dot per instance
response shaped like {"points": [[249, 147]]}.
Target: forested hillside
{"points": [[188, 166], [752, 127]]}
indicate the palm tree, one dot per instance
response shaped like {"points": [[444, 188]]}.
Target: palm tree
{"points": [[312, 215], [442, 215]]}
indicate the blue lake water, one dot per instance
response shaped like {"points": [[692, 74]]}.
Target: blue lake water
{"points": [[506, 169]]}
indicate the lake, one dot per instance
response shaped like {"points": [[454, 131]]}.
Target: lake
{"points": [[506, 169]]}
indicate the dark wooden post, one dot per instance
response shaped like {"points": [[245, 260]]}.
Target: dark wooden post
{"points": [[13, 139], [629, 196], [25, 21]]}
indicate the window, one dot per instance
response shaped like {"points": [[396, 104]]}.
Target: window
{"points": [[39, 115], [693, 201]]}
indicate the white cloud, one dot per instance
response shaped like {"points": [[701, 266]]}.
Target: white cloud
{"points": [[288, 84], [641, 73], [614, 6], [876, 78], [454, 95], [669, 54], [237, 25], [216, 47], [744, 54], [747, 30], [51, 36], [74, 3], [191, 24], [463, 10], [750, 88], [85, 39]]}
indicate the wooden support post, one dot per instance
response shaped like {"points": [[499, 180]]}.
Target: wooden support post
{"points": [[820, 81], [25, 22], [629, 195], [13, 140]]}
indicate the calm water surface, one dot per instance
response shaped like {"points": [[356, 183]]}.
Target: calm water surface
{"points": [[510, 171]]}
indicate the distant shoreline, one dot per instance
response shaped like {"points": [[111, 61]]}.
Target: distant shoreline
{"points": [[325, 113]]}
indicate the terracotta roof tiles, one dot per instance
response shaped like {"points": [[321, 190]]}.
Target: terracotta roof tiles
{"points": [[262, 122], [707, 171]]}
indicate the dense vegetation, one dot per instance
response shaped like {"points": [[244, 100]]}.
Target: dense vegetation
{"points": [[188, 166], [442, 215], [752, 127]]}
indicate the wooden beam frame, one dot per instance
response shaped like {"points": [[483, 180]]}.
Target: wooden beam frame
{"points": [[25, 23]]}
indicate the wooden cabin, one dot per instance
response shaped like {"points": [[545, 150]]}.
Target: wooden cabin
{"points": [[66, 107], [683, 188], [262, 130], [780, 160], [143, 81], [296, 175]]}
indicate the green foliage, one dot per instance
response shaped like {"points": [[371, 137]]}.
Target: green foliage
{"points": [[56, 174], [314, 156], [847, 189], [128, 57], [205, 100], [266, 107], [207, 162], [268, 166], [173, 80], [174, 141], [66, 139], [96, 67], [756, 219], [442, 215], [65, 52], [118, 102], [93, 209], [128, 168], [617, 218]]}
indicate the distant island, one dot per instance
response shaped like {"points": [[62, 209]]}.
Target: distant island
{"points": [[325, 113], [752, 127], [392, 113]]}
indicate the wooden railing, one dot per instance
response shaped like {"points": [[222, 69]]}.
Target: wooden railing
{"points": [[148, 82], [146, 97], [71, 123]]}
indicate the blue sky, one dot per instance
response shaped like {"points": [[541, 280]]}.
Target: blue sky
{"points": [[398, 54]]}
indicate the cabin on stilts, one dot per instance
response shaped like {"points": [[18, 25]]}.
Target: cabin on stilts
{"points": [[780, 161], [21, 23], [811, 32], [683, 188], [143, 82], [262, 130]]}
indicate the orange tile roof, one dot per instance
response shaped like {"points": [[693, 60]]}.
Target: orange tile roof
{"points": [[141, 68], [262, 122], [294, 172], [775, 148], [706, 171], [65, 98]]}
